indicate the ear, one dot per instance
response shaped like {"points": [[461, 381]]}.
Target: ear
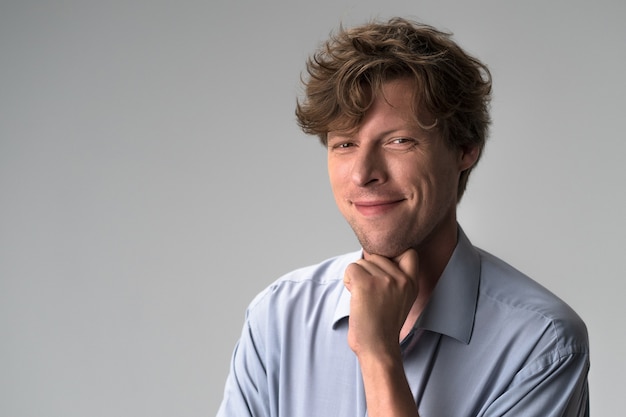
{"points": [[468, 156]]}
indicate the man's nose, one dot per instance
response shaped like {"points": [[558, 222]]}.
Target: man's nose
{"points": [[369, 167]]}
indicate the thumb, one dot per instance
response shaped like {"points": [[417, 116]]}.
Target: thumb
{"points": [[347, 280], [408, 262]]}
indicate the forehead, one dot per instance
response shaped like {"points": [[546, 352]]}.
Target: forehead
{"points": [[396, 96], [395, 101]]}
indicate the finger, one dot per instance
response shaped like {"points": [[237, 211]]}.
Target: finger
{"points": [[363, 273], [371, 267], [379, 265], [353, 271], [347, 278], [408, 262]]}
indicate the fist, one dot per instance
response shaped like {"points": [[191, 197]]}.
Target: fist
{"points": [[382, 292]]}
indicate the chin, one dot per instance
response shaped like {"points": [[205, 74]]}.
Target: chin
{"points": [[387, 249]]}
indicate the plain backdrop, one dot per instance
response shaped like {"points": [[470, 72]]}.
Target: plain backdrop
{"points": [[153, 180]]}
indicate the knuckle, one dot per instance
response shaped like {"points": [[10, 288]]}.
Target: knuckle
{"points": [[387, 279]]}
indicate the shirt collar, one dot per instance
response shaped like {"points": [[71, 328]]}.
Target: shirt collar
{"points": [[452, 305]]}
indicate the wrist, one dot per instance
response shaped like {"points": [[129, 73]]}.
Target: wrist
{"points": [[381, 359]]}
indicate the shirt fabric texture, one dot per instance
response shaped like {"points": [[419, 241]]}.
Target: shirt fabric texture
{"points": [[490, 342]]}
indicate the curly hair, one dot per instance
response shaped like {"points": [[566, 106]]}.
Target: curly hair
{"points": [[349, 70]]}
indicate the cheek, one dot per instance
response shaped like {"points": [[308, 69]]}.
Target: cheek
{"points": [[430, 186], [445, 185], [338, 174], [420, 178], [336, 180]]}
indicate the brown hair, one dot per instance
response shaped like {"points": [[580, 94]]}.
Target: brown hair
{"points": [[348, 70]]}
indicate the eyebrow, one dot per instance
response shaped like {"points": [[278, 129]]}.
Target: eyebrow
{"points": [[338, 135]]}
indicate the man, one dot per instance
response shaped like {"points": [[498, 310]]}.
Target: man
{"points": [[419, 322]]}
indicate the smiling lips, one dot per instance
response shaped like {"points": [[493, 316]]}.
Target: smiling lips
{"points": [[376, 207]]}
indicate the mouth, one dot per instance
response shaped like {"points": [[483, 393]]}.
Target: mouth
{"points": [[376, 207]]}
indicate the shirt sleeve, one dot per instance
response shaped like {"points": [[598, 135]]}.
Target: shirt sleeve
{"points": [[246, 392], [549, 387]]}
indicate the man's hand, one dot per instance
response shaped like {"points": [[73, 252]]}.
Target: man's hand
{"points": [[383, 292]]}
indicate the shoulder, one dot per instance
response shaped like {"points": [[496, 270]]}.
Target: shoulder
{"points": [[313, 281], [528, 304]]}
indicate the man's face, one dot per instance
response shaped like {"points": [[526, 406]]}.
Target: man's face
{"points": [[394, 182]]}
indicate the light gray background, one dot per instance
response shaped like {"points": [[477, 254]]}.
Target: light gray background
{"points": [[153, 180]]}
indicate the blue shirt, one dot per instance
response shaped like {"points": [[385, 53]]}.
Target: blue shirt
{"points": [[490, 342]]}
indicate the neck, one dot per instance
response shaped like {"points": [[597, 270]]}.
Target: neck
{"points": [[434, 254]]}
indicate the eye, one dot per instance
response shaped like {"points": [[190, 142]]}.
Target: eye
{"points": [[342, 146], [402, 143]]}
